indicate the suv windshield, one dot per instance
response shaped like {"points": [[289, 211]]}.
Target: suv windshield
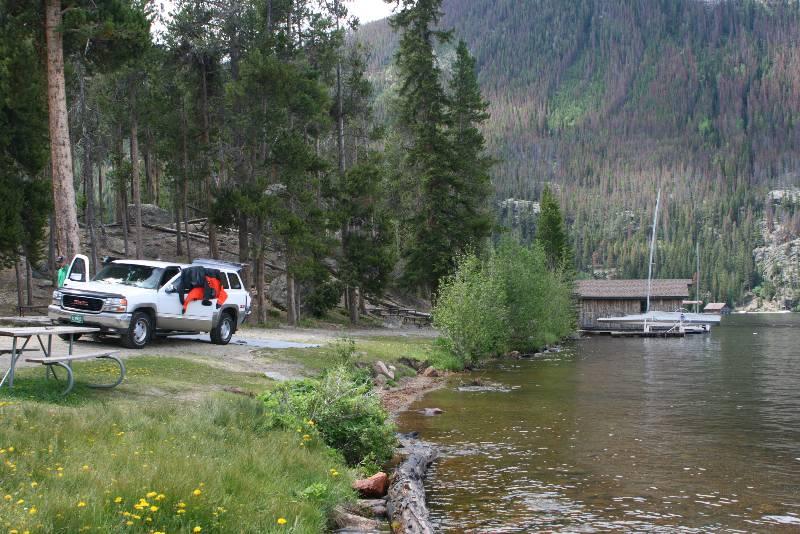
{"points": [[130, 275]]}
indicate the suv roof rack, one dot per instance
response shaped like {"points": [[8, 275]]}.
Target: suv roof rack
{"points": [[219, 264]]}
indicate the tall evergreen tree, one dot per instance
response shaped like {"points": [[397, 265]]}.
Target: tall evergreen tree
{"points": [[470, 163], [550, 231], [423, 120], [448, 180], [24, 205]]}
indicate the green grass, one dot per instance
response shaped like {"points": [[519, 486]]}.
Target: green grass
{"points": [[388, 349], [146, 376], [171, 430], [167, 429], [85, 468]]}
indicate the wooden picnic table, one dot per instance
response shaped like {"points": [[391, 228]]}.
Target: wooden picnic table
{"points": [[49, 359]]}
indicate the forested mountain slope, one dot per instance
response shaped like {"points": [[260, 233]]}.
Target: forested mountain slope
{"points": [[612, 99]]}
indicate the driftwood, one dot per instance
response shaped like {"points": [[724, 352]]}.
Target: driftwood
{"points": [[173, 231], [406, 506]]}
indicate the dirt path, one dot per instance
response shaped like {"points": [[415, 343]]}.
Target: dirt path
{"points": [[241, 355]]}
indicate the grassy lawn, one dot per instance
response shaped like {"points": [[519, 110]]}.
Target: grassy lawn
{"points": [[135, 459], [388, 349]]}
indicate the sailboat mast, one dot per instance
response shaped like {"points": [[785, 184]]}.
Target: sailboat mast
{"points": [[652, 250], [697, 287]]}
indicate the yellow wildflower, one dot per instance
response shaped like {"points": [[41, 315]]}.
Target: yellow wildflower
{"points": [[21, 501], [181, 511], [34, 484], [81, 504], [181, 504], [154, 508], [281, 521], [85, 467], [129, 523], [306, 437], [7, 497], [197, 529], [197, 493], [151, 494], [160, 497], [118, 500], [33, 510], [11, 449]]}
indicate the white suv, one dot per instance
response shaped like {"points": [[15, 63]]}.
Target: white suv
{"points": [[138, 299]]}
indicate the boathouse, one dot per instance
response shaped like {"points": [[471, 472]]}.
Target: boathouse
{"points": [[719, 308], [614, 298]]}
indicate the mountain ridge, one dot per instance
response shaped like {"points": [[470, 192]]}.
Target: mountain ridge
{"points": [[609, 101]]}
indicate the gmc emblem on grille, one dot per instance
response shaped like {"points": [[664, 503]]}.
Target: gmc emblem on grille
{"points": [[80, 302]]}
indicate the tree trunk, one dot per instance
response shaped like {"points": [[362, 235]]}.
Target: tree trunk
{"points": [[258, 272], [64, 206], [212, 228], [352, 304], [291, 304], [135, 182], [362, 303], [20, 281], [123, 194], [88, 175], [185, 186], [176, 208], [244, 248], [51, 251], [100, 193], [406, 500], [121, 187], [28, 283]]}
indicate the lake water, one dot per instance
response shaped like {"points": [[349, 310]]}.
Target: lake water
{"points": [[692, 434]]}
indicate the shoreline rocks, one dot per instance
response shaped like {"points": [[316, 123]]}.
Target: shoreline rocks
{"points": [[373, 487]]}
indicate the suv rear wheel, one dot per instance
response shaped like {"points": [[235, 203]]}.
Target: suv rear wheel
{"points": [[222, 333], [139, 332]]}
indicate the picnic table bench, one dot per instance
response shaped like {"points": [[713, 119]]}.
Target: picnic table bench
{"points": [[49, 359]]}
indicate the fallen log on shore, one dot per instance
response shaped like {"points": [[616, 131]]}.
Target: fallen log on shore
{"points": [[408, 512]]}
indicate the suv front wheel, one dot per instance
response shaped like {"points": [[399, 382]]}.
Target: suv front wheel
{"points": [[139, 331], [222, 333]]}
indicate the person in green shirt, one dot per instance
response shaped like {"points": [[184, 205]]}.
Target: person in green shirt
{"points": [[61, 262]]}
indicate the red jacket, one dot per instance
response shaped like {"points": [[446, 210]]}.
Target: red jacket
{"points": [[198, 293]]}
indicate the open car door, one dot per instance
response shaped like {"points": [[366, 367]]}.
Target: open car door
{"points": [[78, 272]]}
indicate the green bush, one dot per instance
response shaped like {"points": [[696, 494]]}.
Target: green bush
{"points": [[341, 408], [471, 311], [540, 302], [324, 298], [510, 301]]}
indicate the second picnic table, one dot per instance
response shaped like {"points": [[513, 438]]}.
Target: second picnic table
{"points": [[48, 359]]}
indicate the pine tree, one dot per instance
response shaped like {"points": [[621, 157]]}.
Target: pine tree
{"points": [[25, 203], [550, 231], [432, 217], [471, 164]]}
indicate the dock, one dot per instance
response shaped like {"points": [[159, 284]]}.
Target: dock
{"points": [[632, 333]]}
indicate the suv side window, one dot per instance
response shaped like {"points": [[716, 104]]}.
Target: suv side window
{"points": [[169, 273], [224, 280], [236, 283]]}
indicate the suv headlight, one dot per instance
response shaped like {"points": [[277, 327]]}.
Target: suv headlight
{"points": [[116, 305], [57, 297]]}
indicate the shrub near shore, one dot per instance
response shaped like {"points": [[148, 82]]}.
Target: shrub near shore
{"points": [[510, 300], [341, 408]]}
